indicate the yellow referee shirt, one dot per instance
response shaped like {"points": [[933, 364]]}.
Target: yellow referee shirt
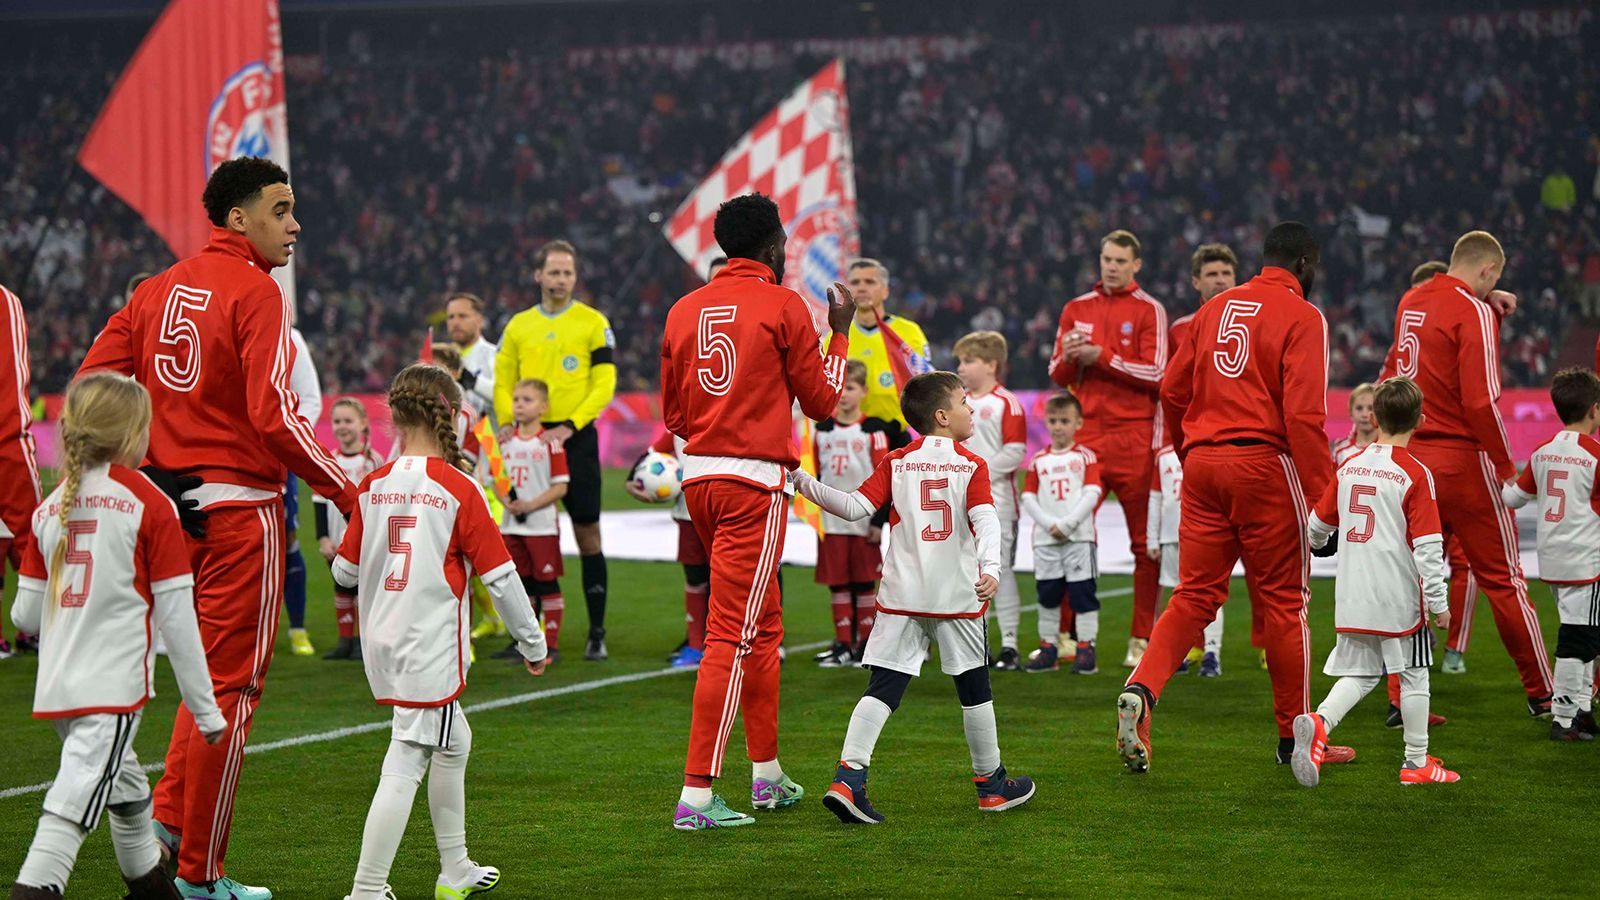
{"points": [[571, 351], [866, 344]]}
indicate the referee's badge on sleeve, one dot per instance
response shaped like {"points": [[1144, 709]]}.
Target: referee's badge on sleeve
{"points": [[611, 338]]}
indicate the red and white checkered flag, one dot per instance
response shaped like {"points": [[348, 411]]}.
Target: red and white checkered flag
{"points": [[799, 155]]}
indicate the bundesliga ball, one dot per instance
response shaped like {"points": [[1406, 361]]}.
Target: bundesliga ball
{"points": [[659, 476]]}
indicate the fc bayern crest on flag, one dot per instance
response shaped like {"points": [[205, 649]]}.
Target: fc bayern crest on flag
{"points": [[799, 154], [206, 86], [247, 119]]}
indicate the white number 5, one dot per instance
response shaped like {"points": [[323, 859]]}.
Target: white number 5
{"points": [[1232, 333], [714, 345], [180, 371], [1410, 345]]}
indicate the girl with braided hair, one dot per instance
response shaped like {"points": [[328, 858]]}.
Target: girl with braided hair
{"points": [[107, 562], [419, 531]]}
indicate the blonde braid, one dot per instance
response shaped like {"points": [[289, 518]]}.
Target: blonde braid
{"points": [[72, 443], [425, 396]]}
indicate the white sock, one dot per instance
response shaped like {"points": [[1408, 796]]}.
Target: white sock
{"points": [[1212, 640], [1008, 608], [1089, 625], [54, 850], [134, 841], [1414, 714], [866, 723], [1346, 693], [447, 806], [1586, 696], [769, 770], [1049, 624], [696, 797], [386, 819], [1573, 681], [983, 739]]}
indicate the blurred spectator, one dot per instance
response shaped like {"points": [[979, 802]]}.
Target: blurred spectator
{"points": [[435, 157]]}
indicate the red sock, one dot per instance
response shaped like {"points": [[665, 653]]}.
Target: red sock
{"points": [[344, 613], [843, 614], [554, 607], [697, 781], [1069, 620], [866, 614], [696, 600], [1394, 691]]}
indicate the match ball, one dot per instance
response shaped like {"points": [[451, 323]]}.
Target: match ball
{"points": [[659, 476]]}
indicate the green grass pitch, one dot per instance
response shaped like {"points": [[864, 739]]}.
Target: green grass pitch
{"points": [[573, 793]]}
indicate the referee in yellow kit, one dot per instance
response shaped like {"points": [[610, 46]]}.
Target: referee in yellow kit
{"points": [[569, 346]]}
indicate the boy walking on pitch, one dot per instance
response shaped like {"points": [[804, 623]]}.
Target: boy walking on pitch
{"points": [[538, 472], [1391, 575], [945, 537], [1060, 491], [1561, 476], [1000, 438], [848, 447]]}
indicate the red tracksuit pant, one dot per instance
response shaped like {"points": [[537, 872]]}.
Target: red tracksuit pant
{"points": [[1241, 502], [1126, 466], [1463, 596], [743, 527], [1471, 510], [238, 574]]}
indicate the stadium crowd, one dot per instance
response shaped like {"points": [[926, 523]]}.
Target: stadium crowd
{"points": [[984, 184]]}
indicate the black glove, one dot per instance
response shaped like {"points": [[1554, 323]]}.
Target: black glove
{"points": [[190, 515], [1328, 549], [511, 495]]}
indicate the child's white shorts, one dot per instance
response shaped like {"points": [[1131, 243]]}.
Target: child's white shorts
{"points": [[900, 643]]}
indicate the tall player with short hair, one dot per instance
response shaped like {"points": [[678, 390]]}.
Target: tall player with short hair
{"points": [[209, 338], [1213, 268], [569, 346], [735, 357], [1111, 351], [1245, 403], [1446, 339]]}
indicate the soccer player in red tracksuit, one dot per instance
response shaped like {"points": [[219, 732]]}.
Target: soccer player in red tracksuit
{"points": [[1246, 404], [735, 356], [1447, 341], [1111, 350], [209, 338], [19, 471]]}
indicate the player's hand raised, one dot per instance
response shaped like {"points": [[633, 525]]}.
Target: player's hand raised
{"points": [[535, 668], [986, 587], [1503, 302], [841, 308]]}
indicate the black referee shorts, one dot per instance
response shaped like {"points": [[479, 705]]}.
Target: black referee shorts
{"points": [[583, 462]]}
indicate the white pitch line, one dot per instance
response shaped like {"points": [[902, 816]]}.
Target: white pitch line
{"points": [[499, 703], [369, 727]]}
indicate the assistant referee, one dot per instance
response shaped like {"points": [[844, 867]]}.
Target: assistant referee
{"points": [[569, 346]]}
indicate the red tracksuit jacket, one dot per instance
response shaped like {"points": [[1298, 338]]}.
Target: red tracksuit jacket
{"points": [[1253, 366], [19, 471], [209, 338], [735, 355], [1122, 389], [1447, 341]]}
